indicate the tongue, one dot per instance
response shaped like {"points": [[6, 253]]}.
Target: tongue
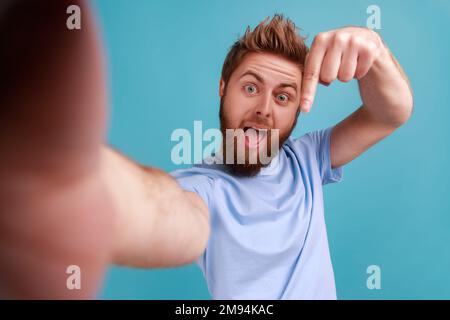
{"points": [[252, 137]]}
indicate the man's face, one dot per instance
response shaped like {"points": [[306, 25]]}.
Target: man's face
{"points": [[262, 93]]}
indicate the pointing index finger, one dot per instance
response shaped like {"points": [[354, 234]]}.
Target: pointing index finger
{"points": [[311, 73]]}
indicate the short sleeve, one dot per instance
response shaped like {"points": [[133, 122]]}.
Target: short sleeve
{"points": [[195, 180], [320, 140]]}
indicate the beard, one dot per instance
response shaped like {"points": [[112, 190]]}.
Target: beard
{"points": [[248, 168]]}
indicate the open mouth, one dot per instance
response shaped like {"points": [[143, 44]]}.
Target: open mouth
{"points": [[254, 136]]}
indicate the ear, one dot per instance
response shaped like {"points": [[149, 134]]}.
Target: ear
{"points": [[221, 87]]}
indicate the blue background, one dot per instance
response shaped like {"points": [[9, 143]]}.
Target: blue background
{"points": [[393, 207]]}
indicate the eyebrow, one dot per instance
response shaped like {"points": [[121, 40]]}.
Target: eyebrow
{"points": [[260, 79]]}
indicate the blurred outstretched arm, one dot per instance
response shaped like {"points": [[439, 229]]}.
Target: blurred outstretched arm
{"points": [[65, 198]]}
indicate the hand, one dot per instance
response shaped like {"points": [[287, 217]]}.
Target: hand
{"points": [[344, 54], [54, 209], [65, 199]]}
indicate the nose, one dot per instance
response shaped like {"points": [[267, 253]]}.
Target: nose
{"points": [[264, 107]]}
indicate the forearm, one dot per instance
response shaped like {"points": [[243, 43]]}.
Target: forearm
{"points": [[150, 209], [386, 92]]}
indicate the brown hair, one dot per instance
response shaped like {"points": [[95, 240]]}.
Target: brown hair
{"points": [[278, 35]]}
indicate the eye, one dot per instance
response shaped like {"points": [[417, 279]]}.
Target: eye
{"points": [[250, 88], [283, 97]]}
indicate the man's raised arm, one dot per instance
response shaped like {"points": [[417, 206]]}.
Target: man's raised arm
{"points": [[387, 97]]}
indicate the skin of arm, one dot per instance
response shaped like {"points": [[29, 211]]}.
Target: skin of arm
{"points": [[386, 94], [65, 198], [158, 224]]}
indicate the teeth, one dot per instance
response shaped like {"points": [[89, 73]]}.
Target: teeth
{"points": [[256, 129], [260, 132]]}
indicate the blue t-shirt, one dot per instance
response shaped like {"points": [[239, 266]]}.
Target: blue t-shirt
{"points": [[268, 236]]}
